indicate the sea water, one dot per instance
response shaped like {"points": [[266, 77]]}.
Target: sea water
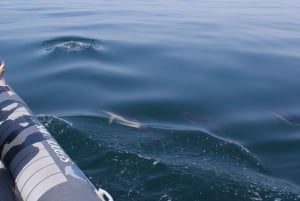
{"points": [[165, 100]]}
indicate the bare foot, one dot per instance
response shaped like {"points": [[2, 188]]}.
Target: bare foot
{"points": [[2, 68]]}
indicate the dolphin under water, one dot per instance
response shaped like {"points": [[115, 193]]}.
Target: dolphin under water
{"points": [[121, 120], [293, 120]]}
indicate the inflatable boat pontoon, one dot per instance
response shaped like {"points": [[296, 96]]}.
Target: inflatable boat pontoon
{"points": [[33, 166]]}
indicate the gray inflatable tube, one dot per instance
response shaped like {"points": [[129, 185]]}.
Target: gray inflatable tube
{"points": [[39, 167]]}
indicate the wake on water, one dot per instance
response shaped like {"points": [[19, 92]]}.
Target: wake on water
{"points": [[178, 164]]}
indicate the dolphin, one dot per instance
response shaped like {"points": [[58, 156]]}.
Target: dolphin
{"points": [[121, 120]]}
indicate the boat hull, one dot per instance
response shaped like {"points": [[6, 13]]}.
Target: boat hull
{"points": [[38, 166]]}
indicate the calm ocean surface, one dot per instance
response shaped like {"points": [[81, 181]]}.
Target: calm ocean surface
{"points": [[206, 93]]}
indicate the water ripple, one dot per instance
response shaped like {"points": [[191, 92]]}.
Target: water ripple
{"points": [[179, 165], [71, 44]]}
